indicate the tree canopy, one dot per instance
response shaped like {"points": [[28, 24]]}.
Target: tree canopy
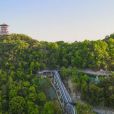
{"points": [[21, 57]]}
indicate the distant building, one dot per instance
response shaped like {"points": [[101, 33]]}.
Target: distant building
{"points": [[3, 29]]}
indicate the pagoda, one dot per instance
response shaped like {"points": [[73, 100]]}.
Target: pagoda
{"points": [[4, 29]]}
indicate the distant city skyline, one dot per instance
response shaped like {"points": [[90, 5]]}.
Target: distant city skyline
{"points": [[55, 20]]}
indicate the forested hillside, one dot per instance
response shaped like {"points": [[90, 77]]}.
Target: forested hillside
{"points": [[87, 54], [21, 57]]}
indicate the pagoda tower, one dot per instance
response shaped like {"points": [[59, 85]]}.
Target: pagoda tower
{"points": [[4, 29]]}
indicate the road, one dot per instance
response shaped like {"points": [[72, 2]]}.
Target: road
{"points": [[96, 73]]}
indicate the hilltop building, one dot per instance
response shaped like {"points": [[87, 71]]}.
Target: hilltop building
{"points": [[3, 29]]}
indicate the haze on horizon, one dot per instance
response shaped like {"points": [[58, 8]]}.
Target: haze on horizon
{"points": [[54, 20]]}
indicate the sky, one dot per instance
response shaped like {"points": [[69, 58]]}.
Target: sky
{"points": [[57, 20]]}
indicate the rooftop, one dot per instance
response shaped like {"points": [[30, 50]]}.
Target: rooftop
{"points": [[3, 24]]}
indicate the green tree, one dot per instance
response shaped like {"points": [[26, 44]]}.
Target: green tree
{"points": [[17, 105], [84, 109], [48, 108]]}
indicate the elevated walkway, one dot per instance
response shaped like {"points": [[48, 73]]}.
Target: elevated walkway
{"points": [[62, 93]]}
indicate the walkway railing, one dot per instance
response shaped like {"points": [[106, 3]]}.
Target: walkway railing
{"points": [[62, 93]]}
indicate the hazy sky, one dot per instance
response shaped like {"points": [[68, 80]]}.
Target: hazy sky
{"points": [[54, 20]]}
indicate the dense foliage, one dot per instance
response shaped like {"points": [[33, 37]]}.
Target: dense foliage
{"points": [[95, 92], [21, 91], [84, 108], [21, 57]]}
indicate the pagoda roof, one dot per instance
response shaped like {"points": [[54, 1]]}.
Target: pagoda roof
{"points": [[3, 24]]}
